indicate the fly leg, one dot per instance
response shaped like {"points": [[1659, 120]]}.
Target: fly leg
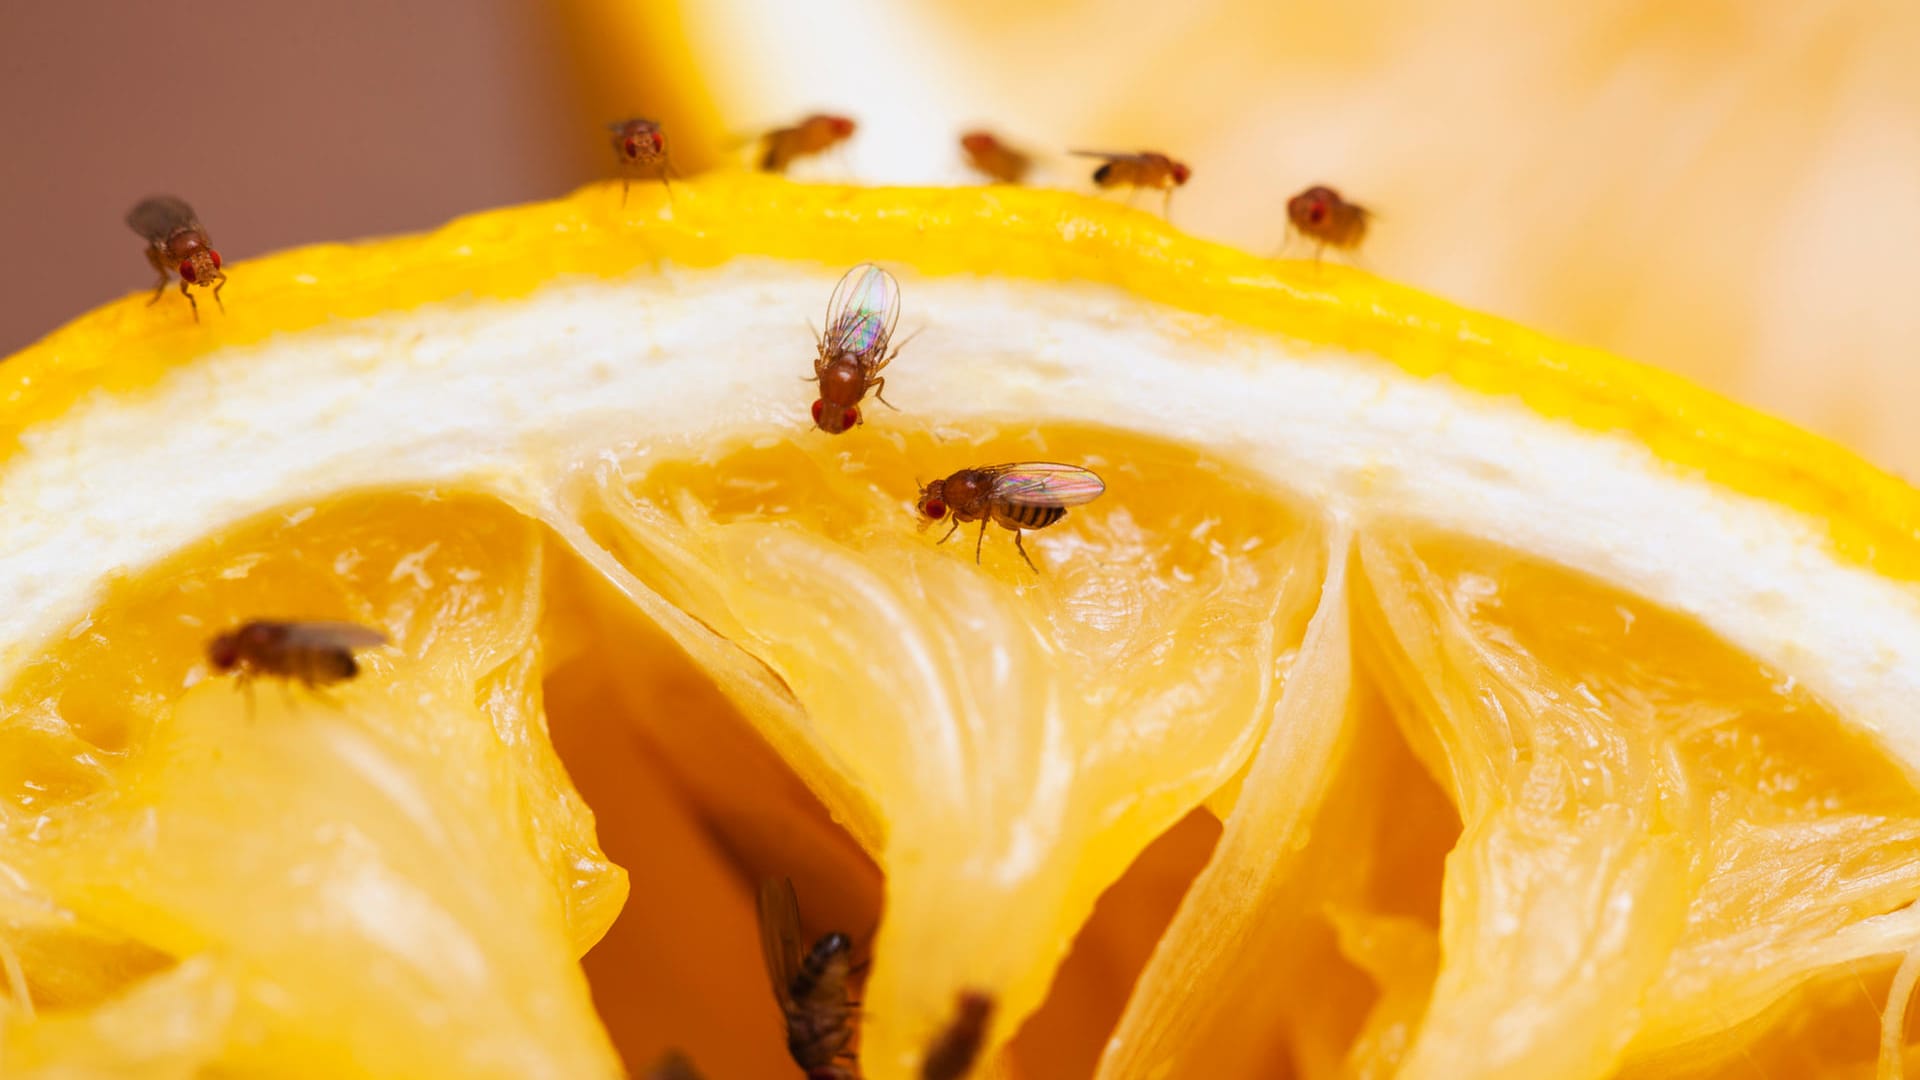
{"points": [[160, 268], [217, 286], [950, 532], [1022, 549], [982, 540], [879, 383], [191, 302], [1286, 241], [1166, 207]]}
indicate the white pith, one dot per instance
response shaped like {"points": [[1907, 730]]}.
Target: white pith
{"points": [[507, 395]]}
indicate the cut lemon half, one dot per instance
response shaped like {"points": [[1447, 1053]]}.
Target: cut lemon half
{"points": [[1424, 697]]}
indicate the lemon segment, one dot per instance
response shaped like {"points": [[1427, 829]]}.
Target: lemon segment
{"points": [[404, 894], [1155, 633], [1224, 935]]}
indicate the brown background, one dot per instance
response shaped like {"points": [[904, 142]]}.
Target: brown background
{"points": [[281, 123]]}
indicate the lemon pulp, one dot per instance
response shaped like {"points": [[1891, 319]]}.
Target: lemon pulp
{"points": [[1585, 736]]}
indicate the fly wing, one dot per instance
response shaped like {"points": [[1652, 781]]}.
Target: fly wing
{"points": [[161, 216], [780, 945], [1109, 155], [334, 635], [1043, 483], [862, 314], [1357, 220]]}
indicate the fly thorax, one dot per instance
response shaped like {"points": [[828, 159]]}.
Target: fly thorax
{"points": [[966, 494], [843, 383]]}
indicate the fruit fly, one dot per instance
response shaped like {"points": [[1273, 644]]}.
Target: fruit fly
{"points": [[178, 244], [1142, 170], [813, 135], [672, 1065], [640, 145], [811, 987], [953, 1051], [1025, 495], [1331, 221], [315, 653], [848, 359], [993, 158]]}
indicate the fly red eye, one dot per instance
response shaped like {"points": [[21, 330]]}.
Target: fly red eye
{"points": [[819, 408], [186, 272], [216, 258], [842, 126], [1180, 173], [1317, 213], [850, 417], [934, 509], [659, 141]]}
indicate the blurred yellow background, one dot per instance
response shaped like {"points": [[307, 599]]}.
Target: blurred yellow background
{"points": [[1726, 188]]}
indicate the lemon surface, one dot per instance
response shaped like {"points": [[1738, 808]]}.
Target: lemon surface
{"points": [[1425, 697]]}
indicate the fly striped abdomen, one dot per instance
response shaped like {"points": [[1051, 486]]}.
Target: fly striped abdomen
{"points": [[1028, 515], [824, 967], [819, 1017], [333, 665], [810, 986]]}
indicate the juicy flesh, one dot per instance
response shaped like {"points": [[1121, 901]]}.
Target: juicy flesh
{"points": [[1243, 790]]}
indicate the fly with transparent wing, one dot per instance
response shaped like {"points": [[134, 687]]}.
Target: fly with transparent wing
{"points": [[811, 986], [991, 156], [315, 653], [1019, 496], [1145, 169], [1321, 215], [861, 317], [177, 245], [814, 134], [640, 145]]}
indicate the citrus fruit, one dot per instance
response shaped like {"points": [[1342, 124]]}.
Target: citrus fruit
{"points": [[1424, 697]]}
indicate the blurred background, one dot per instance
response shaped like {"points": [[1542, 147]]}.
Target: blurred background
{"points": [[1726, 188]]}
